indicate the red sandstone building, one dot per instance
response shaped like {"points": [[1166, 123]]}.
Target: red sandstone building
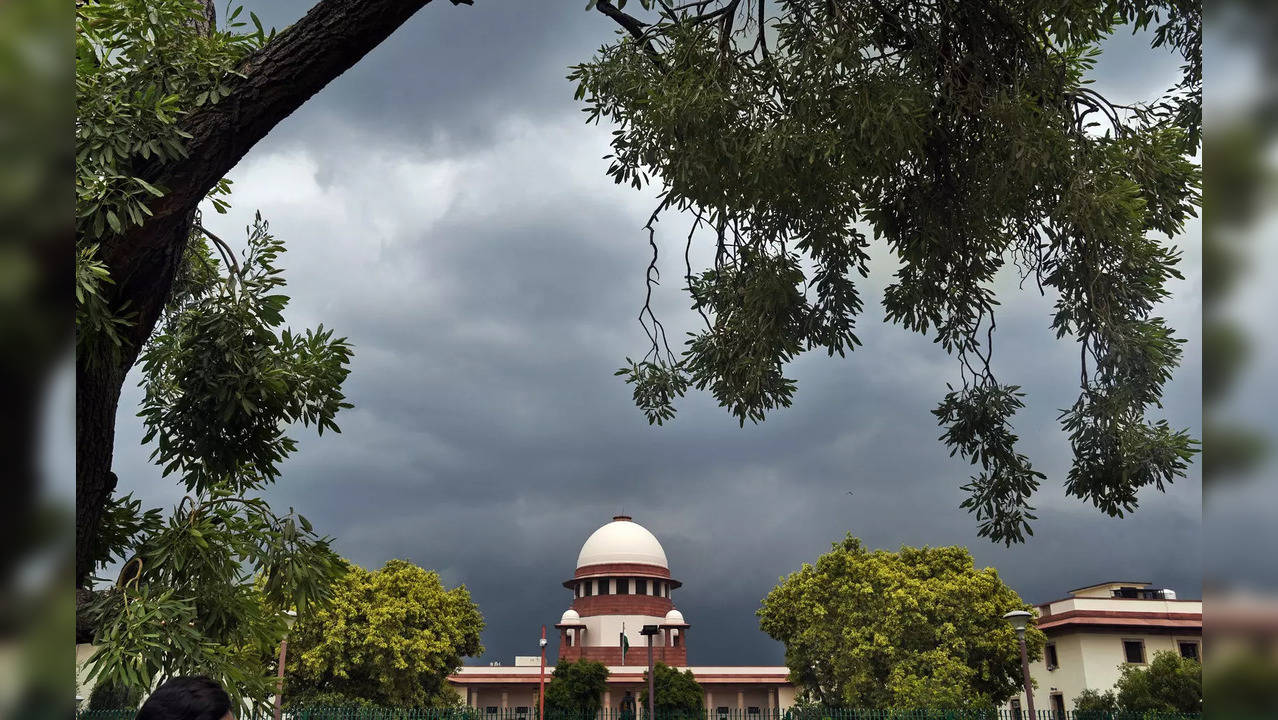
{"points": [[622, 582]]}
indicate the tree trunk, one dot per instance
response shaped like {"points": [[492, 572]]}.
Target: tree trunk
{"points": [[279, 78]]}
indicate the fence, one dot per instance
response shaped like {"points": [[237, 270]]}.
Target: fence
{"points": [[463, 713]]}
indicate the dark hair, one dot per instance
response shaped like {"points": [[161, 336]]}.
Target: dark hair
{"points": [[186, 698]]}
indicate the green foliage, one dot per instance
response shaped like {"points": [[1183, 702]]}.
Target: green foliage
{"points": [[679, 695], [916, 628], [1095, 705], [107, 696], [1170, 683], [576, 689], [97, 326], [141, 67], [203, 591], [1243, 683], [965, 138], [389, 637], [223, 383]]}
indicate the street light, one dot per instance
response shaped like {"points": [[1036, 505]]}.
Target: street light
{"points": [[1019, 620], [541, 682], [648, 631], [290, 617]]}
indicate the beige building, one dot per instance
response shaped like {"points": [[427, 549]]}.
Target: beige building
{"points": [[621, 583], [1097, 630]]}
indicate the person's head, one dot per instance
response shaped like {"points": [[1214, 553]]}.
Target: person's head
{"points": [[187, 698]]}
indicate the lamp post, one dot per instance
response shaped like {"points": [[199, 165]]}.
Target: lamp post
{"points": [[290, 617], [1019, 619], [541, 681], [649, 631]]}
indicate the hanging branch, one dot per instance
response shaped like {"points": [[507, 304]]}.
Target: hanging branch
{"points": [[223, 249]]}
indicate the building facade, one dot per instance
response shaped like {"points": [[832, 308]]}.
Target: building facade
{"points": [[622, 583], [1097, 630]]}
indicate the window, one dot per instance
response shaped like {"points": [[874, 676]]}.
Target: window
{"points": [[1016, 710], [752, 710], [1058, 706], [585, 588], [723, 711], [491, 709], [1133, 593], [604, 588], [521, 711], [623, 586], [1134, 652], [1049, 653], [1189, 650]]}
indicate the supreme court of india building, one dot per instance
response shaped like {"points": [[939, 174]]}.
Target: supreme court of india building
{"points": [[623, 579]]}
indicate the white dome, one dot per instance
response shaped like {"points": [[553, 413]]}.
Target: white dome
{"points": [[622, 541], [674, 617], [570, 617]]}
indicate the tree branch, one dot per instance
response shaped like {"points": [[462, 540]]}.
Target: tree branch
{"points": [[635, 27], [278, 79], [223, 249]]}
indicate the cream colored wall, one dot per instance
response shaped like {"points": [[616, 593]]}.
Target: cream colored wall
{"points": [[502, 697], [82, 686], [741, 697], [1125, 605], [605, 631], [733, 696], [1091, 660]]}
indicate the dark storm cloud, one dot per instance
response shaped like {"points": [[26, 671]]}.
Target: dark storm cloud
{"points": [[448, 211], [451, 75]]}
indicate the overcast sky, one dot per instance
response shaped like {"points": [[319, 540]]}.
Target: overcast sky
{"points": [[447, 209]]}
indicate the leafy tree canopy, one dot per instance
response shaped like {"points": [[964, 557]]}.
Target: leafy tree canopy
{"points": [[202, 590], [389, 637], [679, 695], [916, 628], [963, 136], [1170, 683], [576, 689]]}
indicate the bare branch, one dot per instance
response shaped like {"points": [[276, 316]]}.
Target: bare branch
{"points": [[223, 249], [635, 27]]}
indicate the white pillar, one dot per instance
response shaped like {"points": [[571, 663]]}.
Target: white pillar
{"points": [[505, 700], [740, 700]]}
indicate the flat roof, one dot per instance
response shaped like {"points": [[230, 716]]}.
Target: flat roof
{"points": [[1107, 583]]}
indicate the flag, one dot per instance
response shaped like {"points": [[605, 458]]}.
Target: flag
{"points": [[625, 644]]}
